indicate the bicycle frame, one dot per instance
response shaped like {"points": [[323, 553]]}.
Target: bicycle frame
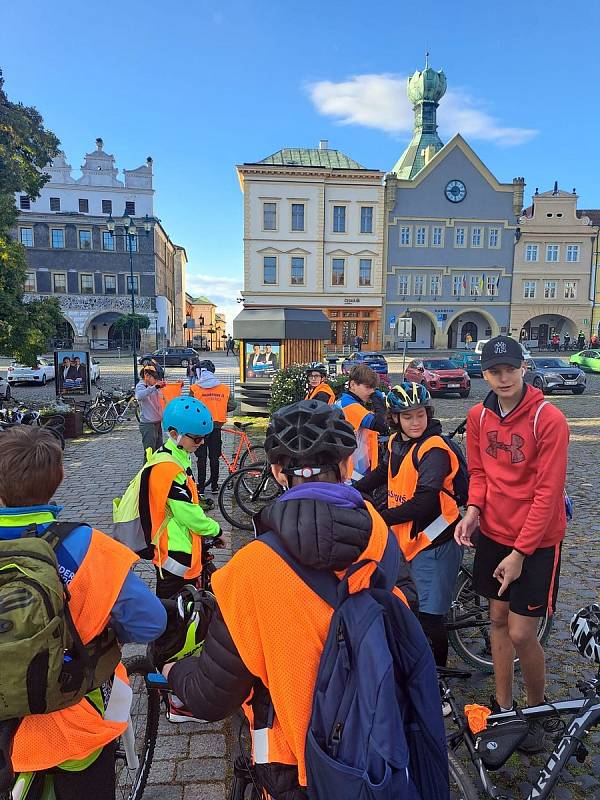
{"points": [[243, 443]]}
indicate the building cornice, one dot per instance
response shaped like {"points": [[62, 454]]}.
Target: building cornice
{"points": [[322, 173]]}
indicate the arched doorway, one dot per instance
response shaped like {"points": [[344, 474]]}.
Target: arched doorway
{"points": [[101, 332], [470, 321], [423, 332], [469, 328], [65, 335], [540, 330]]}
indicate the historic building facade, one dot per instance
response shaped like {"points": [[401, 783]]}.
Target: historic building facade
{"points": [[72, 253], [449, 236], [313, 238]]}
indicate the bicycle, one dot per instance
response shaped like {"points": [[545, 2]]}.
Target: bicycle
{"points": [[246, 453], [110, 408], [245, 492]]}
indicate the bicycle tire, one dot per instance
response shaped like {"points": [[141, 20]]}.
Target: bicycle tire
{"points": [[102, 419], [130, 785], [461, 784], [470, 641], [254, 454], [228, 504], [264, 487]]}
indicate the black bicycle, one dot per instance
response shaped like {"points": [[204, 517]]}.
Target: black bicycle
{"points": [[245, 492]]}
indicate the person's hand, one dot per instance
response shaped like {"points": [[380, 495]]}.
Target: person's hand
{"points": [[219, 542], [167, 668], [508, 570], [466, 527]]}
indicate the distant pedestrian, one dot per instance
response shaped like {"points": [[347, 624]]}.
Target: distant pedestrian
{"points": [[148, 395], [555, 342], [566, 341], [468, 341], [594, 341], [230, 346], [358, 343], [581, 341]]}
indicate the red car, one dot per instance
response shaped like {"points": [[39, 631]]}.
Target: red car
{"points": [[439, 375]]}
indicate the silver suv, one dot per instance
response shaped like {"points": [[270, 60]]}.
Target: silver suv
{"points": [[554, 374]]}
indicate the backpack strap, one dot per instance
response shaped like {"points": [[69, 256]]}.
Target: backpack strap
{"points": [[55, 533]]}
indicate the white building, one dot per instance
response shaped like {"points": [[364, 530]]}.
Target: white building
{"points": [[313, 238]]}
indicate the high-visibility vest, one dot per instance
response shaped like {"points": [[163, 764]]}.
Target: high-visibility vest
{"points": [[366, 455], [402, 487], [276, 624], [214, 398], [322, 387], [43, 741], [169, 392]]}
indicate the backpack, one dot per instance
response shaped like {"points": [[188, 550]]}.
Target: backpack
{"points": [[376, 730], [45, 665], [461, 479]]}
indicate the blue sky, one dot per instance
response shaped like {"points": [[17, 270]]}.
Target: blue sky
{"points": [[203, 86]]}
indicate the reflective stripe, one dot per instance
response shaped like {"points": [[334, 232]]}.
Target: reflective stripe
{"points": [[356, 476], [119, 703], [260, 746], [535, 419], [436, 528], [174, 567]]}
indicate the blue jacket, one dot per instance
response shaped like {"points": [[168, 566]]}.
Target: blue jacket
{"points": [[137, 615]]}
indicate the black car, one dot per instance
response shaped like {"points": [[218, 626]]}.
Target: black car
{"points": [[551, 374], [171, 356]]}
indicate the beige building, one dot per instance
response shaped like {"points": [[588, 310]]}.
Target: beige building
{"points": [[204, 313], [551, 290]]}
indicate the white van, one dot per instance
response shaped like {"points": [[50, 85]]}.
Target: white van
{"points": [[481, 342]]}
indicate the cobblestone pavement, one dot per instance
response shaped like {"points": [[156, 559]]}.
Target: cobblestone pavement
{"points": [[192, 761]]}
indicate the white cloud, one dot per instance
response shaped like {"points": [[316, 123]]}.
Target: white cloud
{"points": [[380, 101], [222, 290]]}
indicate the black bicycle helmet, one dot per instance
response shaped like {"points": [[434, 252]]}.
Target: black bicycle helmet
{"points": [[585, 632], [406, 396], [309, 432], [207, 364], [316, 366]]}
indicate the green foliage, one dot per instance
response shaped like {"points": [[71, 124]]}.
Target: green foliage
{"points": [[289, 386], [338, 383], [137, 322]]}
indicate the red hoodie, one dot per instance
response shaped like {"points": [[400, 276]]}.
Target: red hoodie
{"points": [[517, 477]]}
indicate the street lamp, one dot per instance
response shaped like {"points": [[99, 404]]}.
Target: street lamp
{"points": [[129, 233], [211, 331], [201, 321]]}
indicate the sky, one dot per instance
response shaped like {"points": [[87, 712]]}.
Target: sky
{"points": [[202, 86]]}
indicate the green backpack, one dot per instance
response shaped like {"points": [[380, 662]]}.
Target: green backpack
{"points": [[44, 664]]}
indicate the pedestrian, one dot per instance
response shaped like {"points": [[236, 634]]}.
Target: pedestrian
{"points": [[216, 396], [566, 341], [468, 341], [594, 342], [581, 341], [517, 446], [230, 346], [555, 342], [363, 386], [149, 396], [358, 343]]}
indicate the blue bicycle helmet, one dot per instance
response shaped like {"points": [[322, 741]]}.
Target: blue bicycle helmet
{"points": [[407, 396], [188, 415]]}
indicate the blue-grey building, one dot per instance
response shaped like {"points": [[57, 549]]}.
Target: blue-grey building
{"points": [[450, 234]]}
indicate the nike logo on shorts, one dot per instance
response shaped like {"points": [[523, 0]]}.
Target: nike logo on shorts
{"points": [[534, 608]]}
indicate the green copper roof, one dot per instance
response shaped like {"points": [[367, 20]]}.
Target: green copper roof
{"points": [[202, 301], [311, 157]]}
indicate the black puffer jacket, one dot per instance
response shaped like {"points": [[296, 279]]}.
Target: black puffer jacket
{"points": [[324, 526]]}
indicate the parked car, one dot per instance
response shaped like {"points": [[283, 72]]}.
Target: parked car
{"points": [[587, 359], [439, 375], [374, 360], [481, 342], [171, 356], [94, 371], [469, 361], [41, 373], [550, 374], [4, 389]]}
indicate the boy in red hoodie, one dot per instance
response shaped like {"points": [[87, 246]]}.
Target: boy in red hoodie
{"points": [[517, 453]]}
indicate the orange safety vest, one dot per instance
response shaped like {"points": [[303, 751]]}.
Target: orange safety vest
{"points": [[169, 392], [43, 741], [159, 486], [366, 455], [279, 622], [322, 387], [402, 487], [214, 398]]}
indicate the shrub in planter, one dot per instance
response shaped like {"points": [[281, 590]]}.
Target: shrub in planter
{"points": [[289, 386]]}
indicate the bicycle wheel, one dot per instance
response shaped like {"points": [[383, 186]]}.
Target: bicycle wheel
{"points": [[145, 714], [461, 785], [254, 490], [469, 625], [136, 406], [229, 506], [254, 454], [102, 419]]}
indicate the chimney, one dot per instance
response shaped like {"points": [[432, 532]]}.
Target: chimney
{"points": [[518, 193], [99, 143], [323, 144]]}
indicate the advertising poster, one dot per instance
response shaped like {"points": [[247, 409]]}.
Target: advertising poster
{"points": [[72, 371], [262, 359]]}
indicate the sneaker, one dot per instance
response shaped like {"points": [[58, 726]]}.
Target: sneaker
{"points": [[495, 706], [535, 741], [180, 714], [446, 709], [214, 490]]}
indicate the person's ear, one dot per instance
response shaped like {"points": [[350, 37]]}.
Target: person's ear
{"points": [[279, 475]]}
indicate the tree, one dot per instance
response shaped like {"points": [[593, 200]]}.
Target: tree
{"points": [[26, 147], [131, 323]]}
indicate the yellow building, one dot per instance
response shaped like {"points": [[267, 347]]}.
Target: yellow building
{"points": [[203, 312], [594, 216]]}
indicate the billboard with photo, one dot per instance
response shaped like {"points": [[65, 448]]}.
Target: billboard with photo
{"points": [[262, 359], [72, 371]]}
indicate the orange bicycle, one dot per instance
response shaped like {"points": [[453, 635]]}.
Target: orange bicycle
{"points": [[245, 454]]}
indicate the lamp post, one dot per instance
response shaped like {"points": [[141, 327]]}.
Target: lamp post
{"points": [[224, 337], [129, 234], [201, 321], [211, 331]]}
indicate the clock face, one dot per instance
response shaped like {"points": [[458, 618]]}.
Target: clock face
{"points": [[455, 191]]}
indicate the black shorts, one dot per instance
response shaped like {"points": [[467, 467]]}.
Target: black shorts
{"points": [[534, 592]]}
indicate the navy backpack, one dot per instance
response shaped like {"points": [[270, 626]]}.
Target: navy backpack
{"points": [[376, 730]]}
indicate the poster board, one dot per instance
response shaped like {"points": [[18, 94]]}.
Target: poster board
{"points": [[72, 373], [262, 359]]}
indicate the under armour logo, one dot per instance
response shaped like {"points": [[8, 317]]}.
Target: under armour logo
{"points": [[500, 348], [514, 448]]}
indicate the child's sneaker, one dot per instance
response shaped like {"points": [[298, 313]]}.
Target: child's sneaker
{"points": [[176, 713]]}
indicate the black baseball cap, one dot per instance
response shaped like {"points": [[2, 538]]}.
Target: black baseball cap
{"points": [[501, 350]]}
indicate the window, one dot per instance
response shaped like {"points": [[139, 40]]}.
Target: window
{"points": [[110, 284], [84, 205], [339, 219], [494, 237], [270, 269], [405, 235], [570, 290], [24, 202], [549, 290], [366, 219], [337, 271], [403, 285], [419, 285], [364, 272], [437, 237], [475, 285], [85, 240], [551, 252], [435, 284], [492, 285], [269, 216], [298, 217], [136, 284], [107, 206], [297, 275], [26, 236], [459, 237], [86, 283], [421, 236], [458, 286], [55, 204], [132, 241], [572, 252], [59, 282], [529, 288], [532, 252], [108, 240], [475, 237], [30, 285], [130, 208], [57, 237]]}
